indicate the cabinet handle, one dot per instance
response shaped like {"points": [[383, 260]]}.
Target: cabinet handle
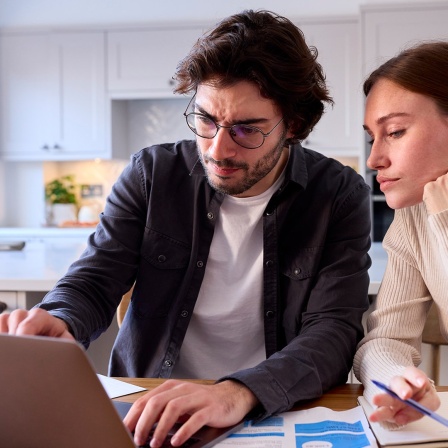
{"points": [[171, 82], [45, 148], [57, 147]]}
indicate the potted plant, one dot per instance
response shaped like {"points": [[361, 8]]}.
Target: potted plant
{"points": [[60, 196]]}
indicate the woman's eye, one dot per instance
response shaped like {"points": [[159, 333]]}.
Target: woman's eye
{"points": [[396, 134]]}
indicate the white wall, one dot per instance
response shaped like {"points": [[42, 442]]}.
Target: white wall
{"points": [[23, 184], [97, 12], [2, 193]]}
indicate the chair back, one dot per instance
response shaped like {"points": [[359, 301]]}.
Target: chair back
{"points": [[433, 336], [431, 332], [123, 306]]}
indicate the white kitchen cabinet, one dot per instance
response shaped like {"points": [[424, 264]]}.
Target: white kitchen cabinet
{"points": [[142, 62], [387, 29], [339, 132], [52, 96]]}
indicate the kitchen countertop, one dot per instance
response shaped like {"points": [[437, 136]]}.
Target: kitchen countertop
{"points": [[30, 233], [376, 271], [39, 265], [49, 252]]}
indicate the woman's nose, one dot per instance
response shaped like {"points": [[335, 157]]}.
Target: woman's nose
{"points": [[377, 158]]}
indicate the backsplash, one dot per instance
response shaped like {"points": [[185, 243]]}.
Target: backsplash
{"points": [[140, 123], [102, 173], [157, 121], [23, 195]]}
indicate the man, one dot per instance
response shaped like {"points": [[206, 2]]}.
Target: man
{"points": [[248, 252]]}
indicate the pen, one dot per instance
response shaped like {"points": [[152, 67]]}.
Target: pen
{"points": [[414, 404]]}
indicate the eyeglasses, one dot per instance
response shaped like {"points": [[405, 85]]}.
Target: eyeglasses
{"points": [[247, 136]]}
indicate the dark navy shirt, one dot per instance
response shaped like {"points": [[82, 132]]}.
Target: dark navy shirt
{"points": [[156, 230]]}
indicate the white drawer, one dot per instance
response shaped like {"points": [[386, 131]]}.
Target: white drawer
{"points": [[10, 298]]}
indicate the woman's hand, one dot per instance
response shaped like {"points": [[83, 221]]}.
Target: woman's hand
{"points": [[435, 195], [413, 384]]}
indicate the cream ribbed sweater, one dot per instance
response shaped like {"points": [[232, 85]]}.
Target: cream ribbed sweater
{"points": [[416, 275]]}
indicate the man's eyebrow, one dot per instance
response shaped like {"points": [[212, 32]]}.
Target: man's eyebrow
{"points": [[247, 121]]}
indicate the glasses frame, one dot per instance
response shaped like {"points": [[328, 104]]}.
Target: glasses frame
{"points": [[218, 127]]}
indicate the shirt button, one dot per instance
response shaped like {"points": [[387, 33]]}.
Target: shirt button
{"points": [[269, 263], [184, 313], [200, 264], [270, 313], [161, 258], [168, 363], [210, 215], [297, 271]]}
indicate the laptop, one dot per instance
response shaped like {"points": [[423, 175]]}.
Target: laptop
{"points": [[50, 396]]}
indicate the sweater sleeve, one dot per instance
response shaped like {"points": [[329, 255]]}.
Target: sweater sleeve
{"points": [[394, 328], [439, 225], [436, 201]]}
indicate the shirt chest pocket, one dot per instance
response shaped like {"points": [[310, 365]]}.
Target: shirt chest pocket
{"points": [[301, 264], [299, 269], [161, 274], [164, 252]]}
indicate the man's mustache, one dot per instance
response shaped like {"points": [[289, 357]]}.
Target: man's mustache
{"points": [[225, 163]]}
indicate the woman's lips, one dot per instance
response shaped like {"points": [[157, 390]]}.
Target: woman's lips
{"points": [[386, 182]]}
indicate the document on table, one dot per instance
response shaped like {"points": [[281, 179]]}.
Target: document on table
{"points": [[116, 388], [316, 427], [425, 432]]}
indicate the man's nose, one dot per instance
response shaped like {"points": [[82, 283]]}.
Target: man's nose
{"points": [[222, 146]]}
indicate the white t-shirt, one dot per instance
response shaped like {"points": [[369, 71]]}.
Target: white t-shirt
{"points": [[226, 331]]}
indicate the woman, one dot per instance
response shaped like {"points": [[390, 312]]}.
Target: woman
{"points": [[406, 118]]}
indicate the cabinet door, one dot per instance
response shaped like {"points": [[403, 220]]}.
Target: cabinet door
{"points": [[82, 95], [339, 132], [52, 96], [389, 29], [142, 62], [29, 104]]}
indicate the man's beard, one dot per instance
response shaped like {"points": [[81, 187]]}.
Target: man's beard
{"points": [[261, 169]]}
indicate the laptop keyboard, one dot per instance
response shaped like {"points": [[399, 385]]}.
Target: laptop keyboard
{"points": [[123, 408], [166, 443]]}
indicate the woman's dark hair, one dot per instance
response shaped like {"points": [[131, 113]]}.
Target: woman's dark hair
{"points": [[420, 69], [268, 50]]}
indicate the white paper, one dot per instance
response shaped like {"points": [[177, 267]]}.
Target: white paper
{"points": [[116, 388], [424, 430], [317, 427]]}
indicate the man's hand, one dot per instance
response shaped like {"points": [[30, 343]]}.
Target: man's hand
{"points": [[435, 195], [35, 322], [218, 405], [413, 384]]}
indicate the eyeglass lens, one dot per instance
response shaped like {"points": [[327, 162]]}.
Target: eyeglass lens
{"points": [[245, 135]]}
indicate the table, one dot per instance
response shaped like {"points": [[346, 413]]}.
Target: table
{"points": [[340, 398]]}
